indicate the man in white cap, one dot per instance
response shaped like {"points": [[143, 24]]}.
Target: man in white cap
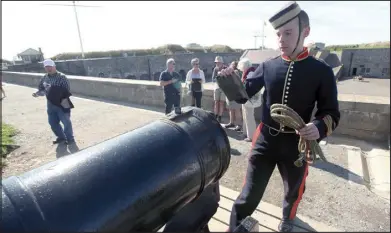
{"points": [[55, 86], [297, 80], [218, 94]]}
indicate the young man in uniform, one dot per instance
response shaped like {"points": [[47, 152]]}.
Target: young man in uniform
{"points": [[296, 80], [170, 81]]}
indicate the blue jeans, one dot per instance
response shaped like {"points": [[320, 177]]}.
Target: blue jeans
{"points": [[57, 114]]}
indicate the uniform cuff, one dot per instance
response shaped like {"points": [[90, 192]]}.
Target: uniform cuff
{"points": [[321, 128]]}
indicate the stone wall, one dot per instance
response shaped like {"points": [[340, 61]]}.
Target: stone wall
{"points": [[367, 62], [367, 118], [138, 67]]}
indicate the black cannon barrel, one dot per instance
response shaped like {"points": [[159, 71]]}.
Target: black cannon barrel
{"points": [[133, 182]]}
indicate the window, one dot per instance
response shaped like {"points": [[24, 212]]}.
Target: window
{"points": [[385, 70], [362, 70], [368, 70], [362, 66]]}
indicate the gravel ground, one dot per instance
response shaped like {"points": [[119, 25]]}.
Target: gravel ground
{"points": [[329, 197]]}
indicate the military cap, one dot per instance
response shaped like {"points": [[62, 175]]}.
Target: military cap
{"points": [[285, 15]]}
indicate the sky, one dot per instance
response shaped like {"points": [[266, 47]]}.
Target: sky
{"points": [[142, 25]]}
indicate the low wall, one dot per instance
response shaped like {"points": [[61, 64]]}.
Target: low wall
{"points": [[364, 117]]}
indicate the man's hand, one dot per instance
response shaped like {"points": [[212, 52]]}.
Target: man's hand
{"points": [[309, 132], [226, 72]]}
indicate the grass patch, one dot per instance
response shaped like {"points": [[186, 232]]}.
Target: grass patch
{"points": [[7, 142]]}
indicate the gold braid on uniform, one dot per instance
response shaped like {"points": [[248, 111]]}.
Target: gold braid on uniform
{"points": [[329, 124], [308, 148]]}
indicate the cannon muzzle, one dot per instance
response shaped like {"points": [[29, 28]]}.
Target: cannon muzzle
{"points": [[133, 182]]}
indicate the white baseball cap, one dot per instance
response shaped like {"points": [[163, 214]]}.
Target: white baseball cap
{"points": [[49, 62]]}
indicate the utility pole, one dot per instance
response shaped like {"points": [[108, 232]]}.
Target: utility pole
{"points": [[77, 21], [263, 35], [78, 29], [255, 41]]}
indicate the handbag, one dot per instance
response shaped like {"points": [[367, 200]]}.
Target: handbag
{"points": [[195, 85]]}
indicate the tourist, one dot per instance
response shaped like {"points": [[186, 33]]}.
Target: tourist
{"points": [[296, 80], [249, 124], [170, 81], [234, 108], [195, 79], [218, 94], [55, 86]]}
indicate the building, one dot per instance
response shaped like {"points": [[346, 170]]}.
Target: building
{"points": [[5, 64], [257, 56], [371, 62], [31, 56]]}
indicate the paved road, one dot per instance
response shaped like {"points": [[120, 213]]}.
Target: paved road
{"points": [[329, 197], [369, 87]]}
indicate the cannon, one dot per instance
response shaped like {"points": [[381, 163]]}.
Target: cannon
{"points": [[160, 174]]}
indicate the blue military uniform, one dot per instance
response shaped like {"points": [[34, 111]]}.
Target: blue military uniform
{"points": [[299, 84]]}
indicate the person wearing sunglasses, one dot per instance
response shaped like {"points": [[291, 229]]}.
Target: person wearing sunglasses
{"points": [[195, 79], [170, 81]]}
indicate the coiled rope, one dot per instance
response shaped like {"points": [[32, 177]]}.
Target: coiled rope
{"points": [[309, 150]]}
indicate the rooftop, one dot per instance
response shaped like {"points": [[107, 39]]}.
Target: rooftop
{"points": [[29, 52], [257, 56]]}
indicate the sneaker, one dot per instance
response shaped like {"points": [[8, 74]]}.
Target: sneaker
{"points": [[238, 128], [58, 140], [229, 125], [248, 140], [285, 226]]}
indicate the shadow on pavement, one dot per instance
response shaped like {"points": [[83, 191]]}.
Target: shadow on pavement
{"points": [[235, 152], [302, 224], [366, 145], [338, 171], [73, 148], [234, 134], [61, 150]]}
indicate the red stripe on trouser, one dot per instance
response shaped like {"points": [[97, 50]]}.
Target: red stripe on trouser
{"points": [[301, 191], [255, 137]]}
